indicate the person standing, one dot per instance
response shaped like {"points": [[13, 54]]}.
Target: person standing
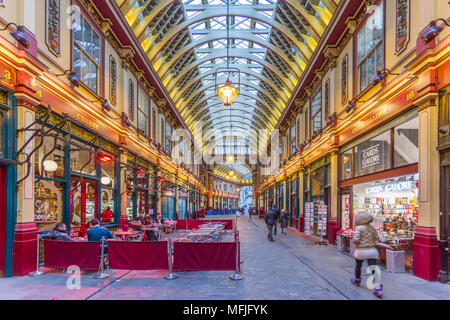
{"points": [[365, 239], [107, 215]]}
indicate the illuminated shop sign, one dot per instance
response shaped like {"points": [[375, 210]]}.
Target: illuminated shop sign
{"points": [[392, 187]]}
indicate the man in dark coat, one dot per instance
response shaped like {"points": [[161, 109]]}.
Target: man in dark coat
{"points": [[59, 233], [271, 219]]}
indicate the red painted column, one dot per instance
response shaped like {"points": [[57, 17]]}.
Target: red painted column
{"points": [[426, 254], [24, 249]]}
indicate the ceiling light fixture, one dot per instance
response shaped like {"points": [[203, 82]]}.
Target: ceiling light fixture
{"points": [[228, 92]]}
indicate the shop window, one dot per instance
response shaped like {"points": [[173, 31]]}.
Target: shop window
{"points": [[130, 205], [370, 48], [53, 165], [406, 143], [108, 198], [82, 160], [373, 155], [48, 200], [142, 111], [317, 178], [2, 135], [346, 164], [108, 174], [86, 54], [316, 111]]}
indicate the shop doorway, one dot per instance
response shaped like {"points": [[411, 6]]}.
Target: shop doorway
{"points": [[83, 203], [2, 220]]}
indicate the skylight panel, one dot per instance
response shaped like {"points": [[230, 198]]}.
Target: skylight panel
{"points": [[192, 13]]}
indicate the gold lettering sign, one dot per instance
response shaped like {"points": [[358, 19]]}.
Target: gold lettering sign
{"points": [[364, 123], [90, 123]]}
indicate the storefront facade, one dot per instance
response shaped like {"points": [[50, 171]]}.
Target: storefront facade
{"points": [[444, 153], [7, 178]]}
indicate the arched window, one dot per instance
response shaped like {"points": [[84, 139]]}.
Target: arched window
{"points": [[131, 100]]}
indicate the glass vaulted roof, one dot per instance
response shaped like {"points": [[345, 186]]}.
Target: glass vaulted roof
{"points": [[270, 42]]}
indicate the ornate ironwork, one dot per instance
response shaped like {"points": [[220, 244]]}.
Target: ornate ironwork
{"points": [[402, 29]]}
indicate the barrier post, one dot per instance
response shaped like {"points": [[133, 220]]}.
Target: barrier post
{"points": [[171, 275], [101, 272], [37, 272], [236, 275]]}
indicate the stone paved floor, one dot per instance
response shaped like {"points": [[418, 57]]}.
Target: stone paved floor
{"points": [[289, 268]]}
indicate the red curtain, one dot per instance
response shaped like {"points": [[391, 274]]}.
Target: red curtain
{"points": [[133, 255], [62, 254], [213, 256]]}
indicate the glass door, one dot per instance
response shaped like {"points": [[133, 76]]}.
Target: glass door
{"points": [[83, 203]]}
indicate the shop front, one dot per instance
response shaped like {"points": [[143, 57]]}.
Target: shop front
{"points": [[379, 176], [182, 205], [140, 187], [293, 200], [444, 152], [316, 188], [7, 147], [75, 174]]}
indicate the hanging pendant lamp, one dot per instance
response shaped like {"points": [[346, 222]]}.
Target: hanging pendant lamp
{"points": [[228, 92]]}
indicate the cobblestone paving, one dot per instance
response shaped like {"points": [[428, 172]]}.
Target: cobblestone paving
{"points": [[289, 268]]}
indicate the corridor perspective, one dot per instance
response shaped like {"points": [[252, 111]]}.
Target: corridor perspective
{"points": [[182, 149]]}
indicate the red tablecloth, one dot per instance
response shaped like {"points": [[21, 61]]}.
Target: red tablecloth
{"points": [[62, 254], [134, 255], [212, 256]]}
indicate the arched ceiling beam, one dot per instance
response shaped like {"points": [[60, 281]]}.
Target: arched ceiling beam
{"points": [[318, 25], [221, 80], [163, 66], [199, 116], [284, 94], [218, 11], [290, 82]]}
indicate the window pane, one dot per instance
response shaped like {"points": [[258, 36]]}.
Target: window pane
{"points": [[108, 199], [362, 77], [406, 143], [87, 39], [108, 171], [379, 53], [80, 159], [346, 164], [371, 67], [56, 156], [373, 155], [318, 181], [76, 60], [96, 48], [48, 199], [130, 205]]}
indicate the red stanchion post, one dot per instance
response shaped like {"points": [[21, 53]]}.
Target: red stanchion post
{"points": [[236, 275]]}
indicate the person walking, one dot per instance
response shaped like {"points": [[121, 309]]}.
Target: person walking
{"points": [[365, 239], [283, 221], [271, 220]]}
